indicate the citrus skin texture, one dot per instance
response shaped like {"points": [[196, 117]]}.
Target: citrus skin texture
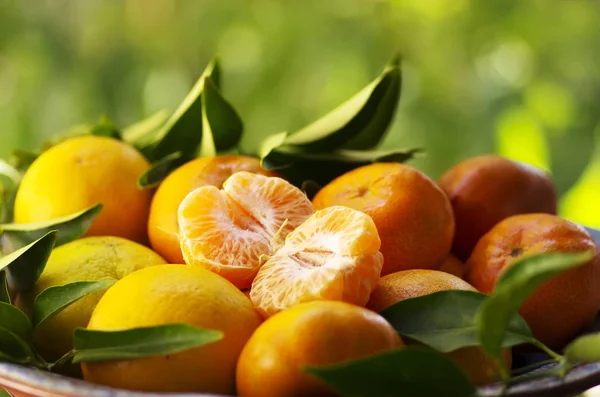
{"points": [[453, 266], [485, 189], [407, 284], [86, 259], [84, 171], [163, 227], [412, 214], [565, 304], [169, 294], [313, 333]]}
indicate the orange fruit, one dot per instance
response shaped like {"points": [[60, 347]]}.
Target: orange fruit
{"points": [[333, 255], [309, 334], [485, 189], [168, 294], [227, 230], [453, 266], [81, 172], [413, 216], [396, 287], [163, 228], [563, 305]]}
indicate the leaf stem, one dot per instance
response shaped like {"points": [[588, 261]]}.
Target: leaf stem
{"points": [[530, 367], [546, 349], [62, 361]]}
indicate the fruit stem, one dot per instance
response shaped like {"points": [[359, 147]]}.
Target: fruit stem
{"points": [[546, 350]]}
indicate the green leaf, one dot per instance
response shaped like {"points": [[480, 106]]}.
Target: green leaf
{"points": [[224, 122], [69, 228], [310, 188], [4, 291], [22, 159], [298, 166], [26, 264], [10, 178], [159, 171], [515, 285], [14, 348], [53, 300], [359, 123], [183, 130], [15, 321], [8, 173], [207, 144], [105, 127], [404, 372], [445, 320], [140, 134], [3, 392], [92, 345], [585, 349]]}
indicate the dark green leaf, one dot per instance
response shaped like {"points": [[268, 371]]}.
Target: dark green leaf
{"points": [[15, 321], [4, 291], [360, 122], [515, 285], [310, 188], [445, 320], [585, 349], [26, 264], [183, 130], [69, 228], [225, 123], [53, 300], [298, 166], [106, 127], [159, 171], [405, 372], [91, 345], [141, 134], [14, 348]]}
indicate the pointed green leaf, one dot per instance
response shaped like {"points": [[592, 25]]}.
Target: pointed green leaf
{"points": [[513, 288], [272, 142], [298, 166], [4, 291], [183, 130], [159, 171], [26, 264], [402, 372], [53, 300], [585, 349], [360, 122], [69, 228], [14, 348], [207, 144], [140, 134], [225, 123], [15, 321], [92, 345], [445, 320], [106, 127]]}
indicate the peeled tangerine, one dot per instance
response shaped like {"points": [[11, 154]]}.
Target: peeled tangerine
{"points": [[261, 232]]}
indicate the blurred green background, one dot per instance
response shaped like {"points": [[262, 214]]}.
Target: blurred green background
{"points": [[516, 77]]}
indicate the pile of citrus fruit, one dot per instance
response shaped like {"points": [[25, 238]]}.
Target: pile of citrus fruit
{"points": [[290, 281]]}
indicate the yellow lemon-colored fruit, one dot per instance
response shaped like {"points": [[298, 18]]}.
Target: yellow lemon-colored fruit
{"points": [[169, 294], [86, 259], [81, 172]]}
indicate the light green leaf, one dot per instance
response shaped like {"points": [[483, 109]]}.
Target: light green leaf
{"points": [[159, 171], [69, 228], [183, 130], [403, 372], [584, 349], [141, 134], [359, 123], [207, 144], [26, 264], [513, 288], [445, 320], [53, 300], [15, 321], [22, 159], [299, 166], [92, 345], [106, 128], [4, 291], [9, 173], [225, 124]]}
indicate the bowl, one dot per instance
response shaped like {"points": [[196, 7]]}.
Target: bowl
{"points": [[22, 381]]}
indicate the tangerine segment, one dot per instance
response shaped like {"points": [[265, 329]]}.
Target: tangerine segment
{"points": [[334, 255], [226, 231]]}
